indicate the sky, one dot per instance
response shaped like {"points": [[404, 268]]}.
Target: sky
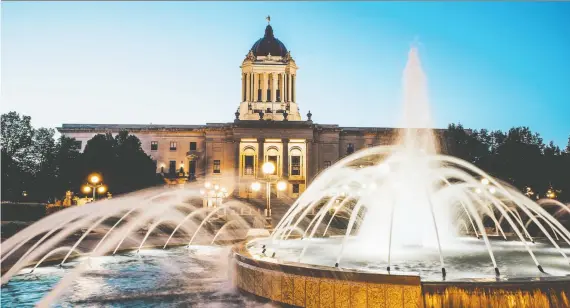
{"points": [[490, 65]]}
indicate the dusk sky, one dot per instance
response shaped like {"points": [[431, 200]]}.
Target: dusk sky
{"points": [[489, 64]]}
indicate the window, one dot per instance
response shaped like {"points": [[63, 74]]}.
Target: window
{"points": [[78, 144], [369, 145], [172, 167], [193, 146], [173, 145], [295, 188], [327, 163], [350, 149], [217, 166], [295, 165], [248, 165], [154, 145]]}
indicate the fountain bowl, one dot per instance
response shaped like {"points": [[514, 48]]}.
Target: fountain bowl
{"points": [[306, 285]]}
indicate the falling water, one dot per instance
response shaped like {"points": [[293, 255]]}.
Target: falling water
{"points": [[407, 200]]}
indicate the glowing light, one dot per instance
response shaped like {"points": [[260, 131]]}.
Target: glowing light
{"points": [[216, 187], [86, 189], [255, 186], [101, 189], [281, 185], [478, 190], [207, 185], [492, 190], [202, 192], [268, 168], [94, 179], [485, 181]]}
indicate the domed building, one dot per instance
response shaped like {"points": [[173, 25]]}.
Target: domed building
{"points": [[268, 81], [267, 127]]}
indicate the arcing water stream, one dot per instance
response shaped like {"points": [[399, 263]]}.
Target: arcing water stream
{"points": [[399, 208]]}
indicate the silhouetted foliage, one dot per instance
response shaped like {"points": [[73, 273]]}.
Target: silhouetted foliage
{"points": [[36, 167]]}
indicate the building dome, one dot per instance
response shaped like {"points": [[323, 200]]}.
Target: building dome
{"points": [[268, 44]]}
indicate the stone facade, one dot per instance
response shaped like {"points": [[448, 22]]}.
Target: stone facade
{"points": [[267, 126]]}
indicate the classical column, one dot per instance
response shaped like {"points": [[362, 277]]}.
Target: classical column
{"points": [[289, 83], [280, 80], [255, 87], [285, 158], [293, 88], [264, 88], [243, 86], [247, 87], [274, 79]]}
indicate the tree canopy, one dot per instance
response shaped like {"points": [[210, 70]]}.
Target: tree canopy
{"points": [[34, 162]]}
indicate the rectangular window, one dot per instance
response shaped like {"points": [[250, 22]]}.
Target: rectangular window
{"points": [[172, 167], [193, 146], [248, 165], [154, 145], [217, 166], [295, 165], [295, 188], [173, 145], [327, 163]]}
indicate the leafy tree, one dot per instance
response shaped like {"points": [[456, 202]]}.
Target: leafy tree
{"points": [[121, 161], [17, 133], [40, 160], [67, 161]]}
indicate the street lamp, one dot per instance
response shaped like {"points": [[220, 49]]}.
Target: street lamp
{"points": [[94, 184], [214, 192], [268, 168]]}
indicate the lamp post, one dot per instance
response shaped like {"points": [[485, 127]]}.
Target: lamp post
{"points": [[268, 168], [215, 192], [94, 184]]}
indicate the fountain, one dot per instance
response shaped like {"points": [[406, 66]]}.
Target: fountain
{"points": [[388, 226], [399, 242]]}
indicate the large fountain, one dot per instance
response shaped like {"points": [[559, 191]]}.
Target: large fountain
{"points": [[388, 226], [403, 225]]}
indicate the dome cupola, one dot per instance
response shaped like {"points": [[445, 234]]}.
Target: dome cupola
{"points": [[269, 44]]}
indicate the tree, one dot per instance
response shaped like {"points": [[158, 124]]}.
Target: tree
{"points": [[17, 133], [135, 169], [41, 164], [520, 159], [67, 161], [465, 145], [121, 161]]}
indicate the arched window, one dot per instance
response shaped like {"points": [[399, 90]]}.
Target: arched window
{"points": [[273, 157], [296, 158], [248, 161]]}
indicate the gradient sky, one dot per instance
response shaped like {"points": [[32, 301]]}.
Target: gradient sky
{"points": [[489, 64]]}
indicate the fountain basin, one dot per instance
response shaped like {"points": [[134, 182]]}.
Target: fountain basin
{"points": [[305, 285]]}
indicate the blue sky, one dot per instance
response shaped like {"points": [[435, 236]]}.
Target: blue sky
{"points": [[489, 64]]}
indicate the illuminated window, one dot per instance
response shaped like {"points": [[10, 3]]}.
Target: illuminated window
{"points": [[173, 146], [154, 145], [248, 168], [327, 163], [295, 165], [217, 166]]}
